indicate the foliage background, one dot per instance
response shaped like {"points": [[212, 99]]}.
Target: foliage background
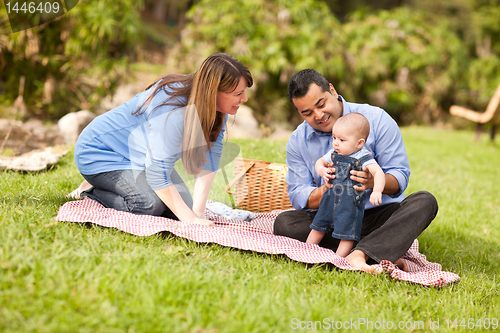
{"points": [[72, 62], [412, 58]]}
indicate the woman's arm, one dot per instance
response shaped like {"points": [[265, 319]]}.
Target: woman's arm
{"points": [[202, 183], [171, 197]]}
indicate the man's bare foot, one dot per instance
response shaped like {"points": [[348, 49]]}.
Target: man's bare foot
{"points": [[401, 264], [358, 259]]}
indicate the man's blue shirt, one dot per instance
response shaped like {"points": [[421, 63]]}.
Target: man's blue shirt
{"points": [[306, 145]]}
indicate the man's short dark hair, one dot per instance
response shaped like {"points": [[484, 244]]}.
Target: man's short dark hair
{"points": [[300, 82]]}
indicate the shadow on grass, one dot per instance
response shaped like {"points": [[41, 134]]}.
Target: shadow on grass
{"points": [[461, 253]]}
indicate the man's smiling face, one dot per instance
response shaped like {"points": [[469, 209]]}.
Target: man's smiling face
{"points": [[320, 109]]}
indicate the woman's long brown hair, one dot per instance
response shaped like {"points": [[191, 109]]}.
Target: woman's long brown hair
{"points": [[198, 93]]}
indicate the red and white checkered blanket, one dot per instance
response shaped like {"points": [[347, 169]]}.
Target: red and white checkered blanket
{"points": [[256, 235]]}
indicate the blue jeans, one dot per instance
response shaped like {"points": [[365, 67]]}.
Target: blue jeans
{"points": [[128, 191], [342, 207]]}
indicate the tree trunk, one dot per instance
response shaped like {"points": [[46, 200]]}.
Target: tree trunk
{"points": [[160, 10]]}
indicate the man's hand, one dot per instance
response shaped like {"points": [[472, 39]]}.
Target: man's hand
{"points": [[363, 177], [366, 180]]}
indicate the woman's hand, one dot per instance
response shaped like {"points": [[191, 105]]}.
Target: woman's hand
{"points": [[172, 199], [376, 198], [201, 221]]}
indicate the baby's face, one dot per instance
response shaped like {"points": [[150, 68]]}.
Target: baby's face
{"points": [[346, 140]]}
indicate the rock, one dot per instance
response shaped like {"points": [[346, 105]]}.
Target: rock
{"points": [[123, 94], [35, 160], [72, 124], [243, 125], [23, 137]]}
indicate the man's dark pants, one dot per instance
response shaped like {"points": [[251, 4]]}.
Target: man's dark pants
{"points": [[388, 231]]}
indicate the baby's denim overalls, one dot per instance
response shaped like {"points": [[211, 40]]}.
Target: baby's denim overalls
{"points": [[342, 208]]}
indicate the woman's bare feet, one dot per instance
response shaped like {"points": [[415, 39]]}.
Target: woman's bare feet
{"points": [[358, 259], [85, 185], [401, 264]]}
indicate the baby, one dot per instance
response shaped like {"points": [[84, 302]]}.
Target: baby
{"points": [[341, 209]]}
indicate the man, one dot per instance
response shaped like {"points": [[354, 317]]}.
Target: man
{"points": [[389, 229]]}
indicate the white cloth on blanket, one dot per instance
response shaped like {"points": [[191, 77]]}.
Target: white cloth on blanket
{"points": [[225, 211]]}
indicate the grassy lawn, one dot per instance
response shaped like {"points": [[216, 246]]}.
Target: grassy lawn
{"points": [[69, 277]]}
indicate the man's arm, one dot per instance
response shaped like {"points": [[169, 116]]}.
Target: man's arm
{"points": [[299, 176], [315, 197]]}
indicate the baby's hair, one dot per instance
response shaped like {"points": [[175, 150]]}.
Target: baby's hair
{"points": [[358, 121]]}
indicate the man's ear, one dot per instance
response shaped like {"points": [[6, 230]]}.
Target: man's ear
{"points": [[360, 144], [333, 91]]}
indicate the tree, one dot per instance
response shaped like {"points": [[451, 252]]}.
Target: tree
{"points": [[402, 60], [476, 23]]}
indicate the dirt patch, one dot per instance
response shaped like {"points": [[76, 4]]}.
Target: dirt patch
{"points": [[18, 138]]}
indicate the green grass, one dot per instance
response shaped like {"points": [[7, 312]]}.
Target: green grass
{"points": [[70, 277]]}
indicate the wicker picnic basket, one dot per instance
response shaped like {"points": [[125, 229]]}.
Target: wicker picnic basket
{"points": [[259, 186]]}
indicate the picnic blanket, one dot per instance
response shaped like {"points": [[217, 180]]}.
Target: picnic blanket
{"points": [[256, 235]]}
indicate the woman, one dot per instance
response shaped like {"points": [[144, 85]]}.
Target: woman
{"points": [[127, 155]]}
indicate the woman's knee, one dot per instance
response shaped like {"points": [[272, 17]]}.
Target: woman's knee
{"points": [[147, 205]]}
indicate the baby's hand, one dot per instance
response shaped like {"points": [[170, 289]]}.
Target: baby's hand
{"points": [[325, 171], [376, 198], [327, 174]]}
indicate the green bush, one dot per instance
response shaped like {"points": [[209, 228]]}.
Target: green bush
{"points": [[71, 62], [403, 61], [408, 61], [275, 39]]}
